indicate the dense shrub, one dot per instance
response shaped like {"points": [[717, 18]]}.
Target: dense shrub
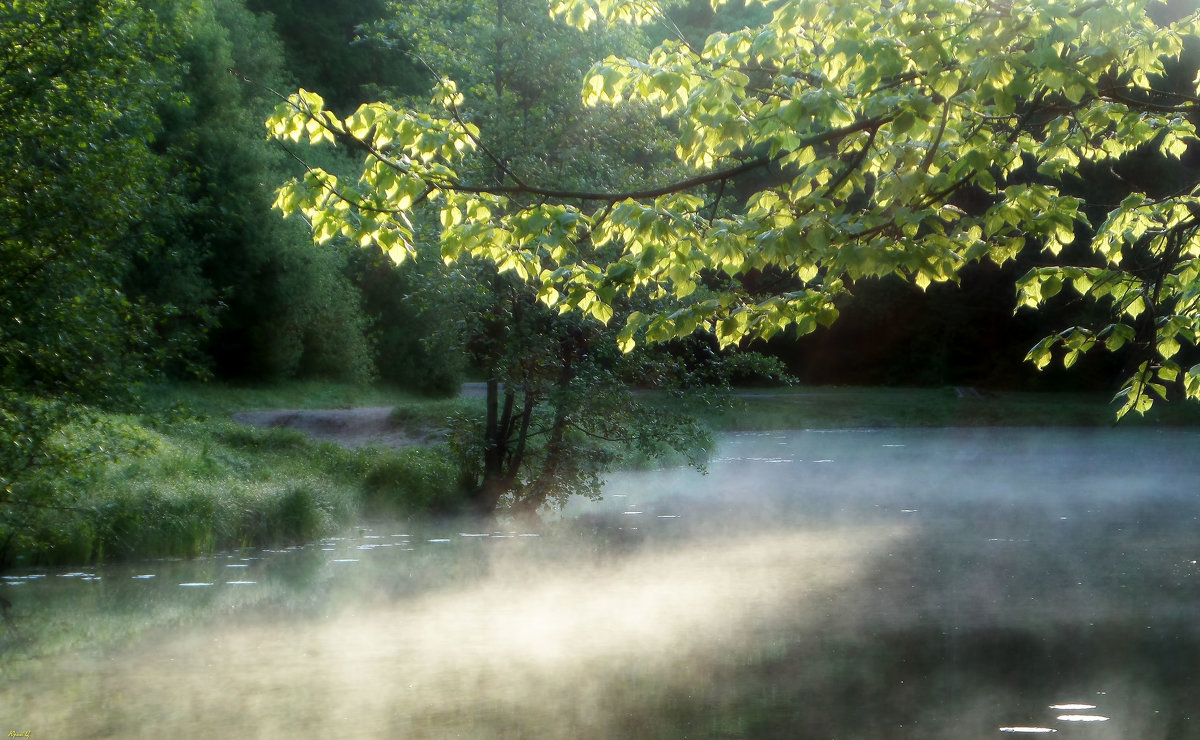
{"points": [[413, 480]]}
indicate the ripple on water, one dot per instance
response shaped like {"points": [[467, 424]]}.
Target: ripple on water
{"points": [[1028, 730]]}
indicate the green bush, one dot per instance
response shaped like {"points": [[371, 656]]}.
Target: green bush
{"points": [[149, 522], [300, 513], [278, 439], [415, 479]]}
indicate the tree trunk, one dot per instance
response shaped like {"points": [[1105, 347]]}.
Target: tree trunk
{"points": [[556, 449], [503, 455]]}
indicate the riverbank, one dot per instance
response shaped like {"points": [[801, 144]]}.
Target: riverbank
{"points": [[180, 478], [210, 468]]}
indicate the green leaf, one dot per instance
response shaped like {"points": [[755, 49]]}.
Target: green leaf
{"points": [[903, 122]]}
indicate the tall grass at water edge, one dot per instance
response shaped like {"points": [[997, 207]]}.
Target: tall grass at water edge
{"points": [[200, 483], [194, 482]]}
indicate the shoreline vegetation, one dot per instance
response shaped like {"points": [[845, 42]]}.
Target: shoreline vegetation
{"points": [[200, 485], [192, 481]]}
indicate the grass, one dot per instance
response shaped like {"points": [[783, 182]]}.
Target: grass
{"points": [[200, 483], [854, 407], [192, 482], [223, 400]]}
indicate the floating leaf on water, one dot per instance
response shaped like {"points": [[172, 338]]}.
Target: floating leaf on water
{"points": [[1081, 718], [1028, 730], [1072, 707]]}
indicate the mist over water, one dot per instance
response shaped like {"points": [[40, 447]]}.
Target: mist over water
{"points": [[906, 583]]}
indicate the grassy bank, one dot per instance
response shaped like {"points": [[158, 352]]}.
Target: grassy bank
{"points": [[186, 480], [865, 408], [189, 481]]}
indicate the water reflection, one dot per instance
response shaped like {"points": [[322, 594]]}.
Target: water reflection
{"points": [[891, 584]]}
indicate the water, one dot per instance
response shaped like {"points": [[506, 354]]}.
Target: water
{"points": [[890, 584]]}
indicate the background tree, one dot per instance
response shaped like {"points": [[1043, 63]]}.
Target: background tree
{"points": [[556, 402], [269, 307], [79, 89], [324, 49], [134, 232]]}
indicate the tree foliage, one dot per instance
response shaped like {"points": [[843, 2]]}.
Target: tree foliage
{"points": [[325, 50], [134, 192], [268, 306], [882, 138], [79, 88], [80, 85], [557, 405]]}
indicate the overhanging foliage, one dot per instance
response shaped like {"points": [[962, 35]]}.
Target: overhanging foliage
{"points": [[859, 139]]}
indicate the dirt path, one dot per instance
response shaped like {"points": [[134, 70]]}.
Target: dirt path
{"points": [[351, 428], [359, 427]]}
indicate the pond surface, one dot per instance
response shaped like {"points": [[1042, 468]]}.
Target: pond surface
{"points": [[908, 583]]}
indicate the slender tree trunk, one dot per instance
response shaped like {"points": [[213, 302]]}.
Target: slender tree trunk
{"points": [[493, 484], [556, 450]]}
